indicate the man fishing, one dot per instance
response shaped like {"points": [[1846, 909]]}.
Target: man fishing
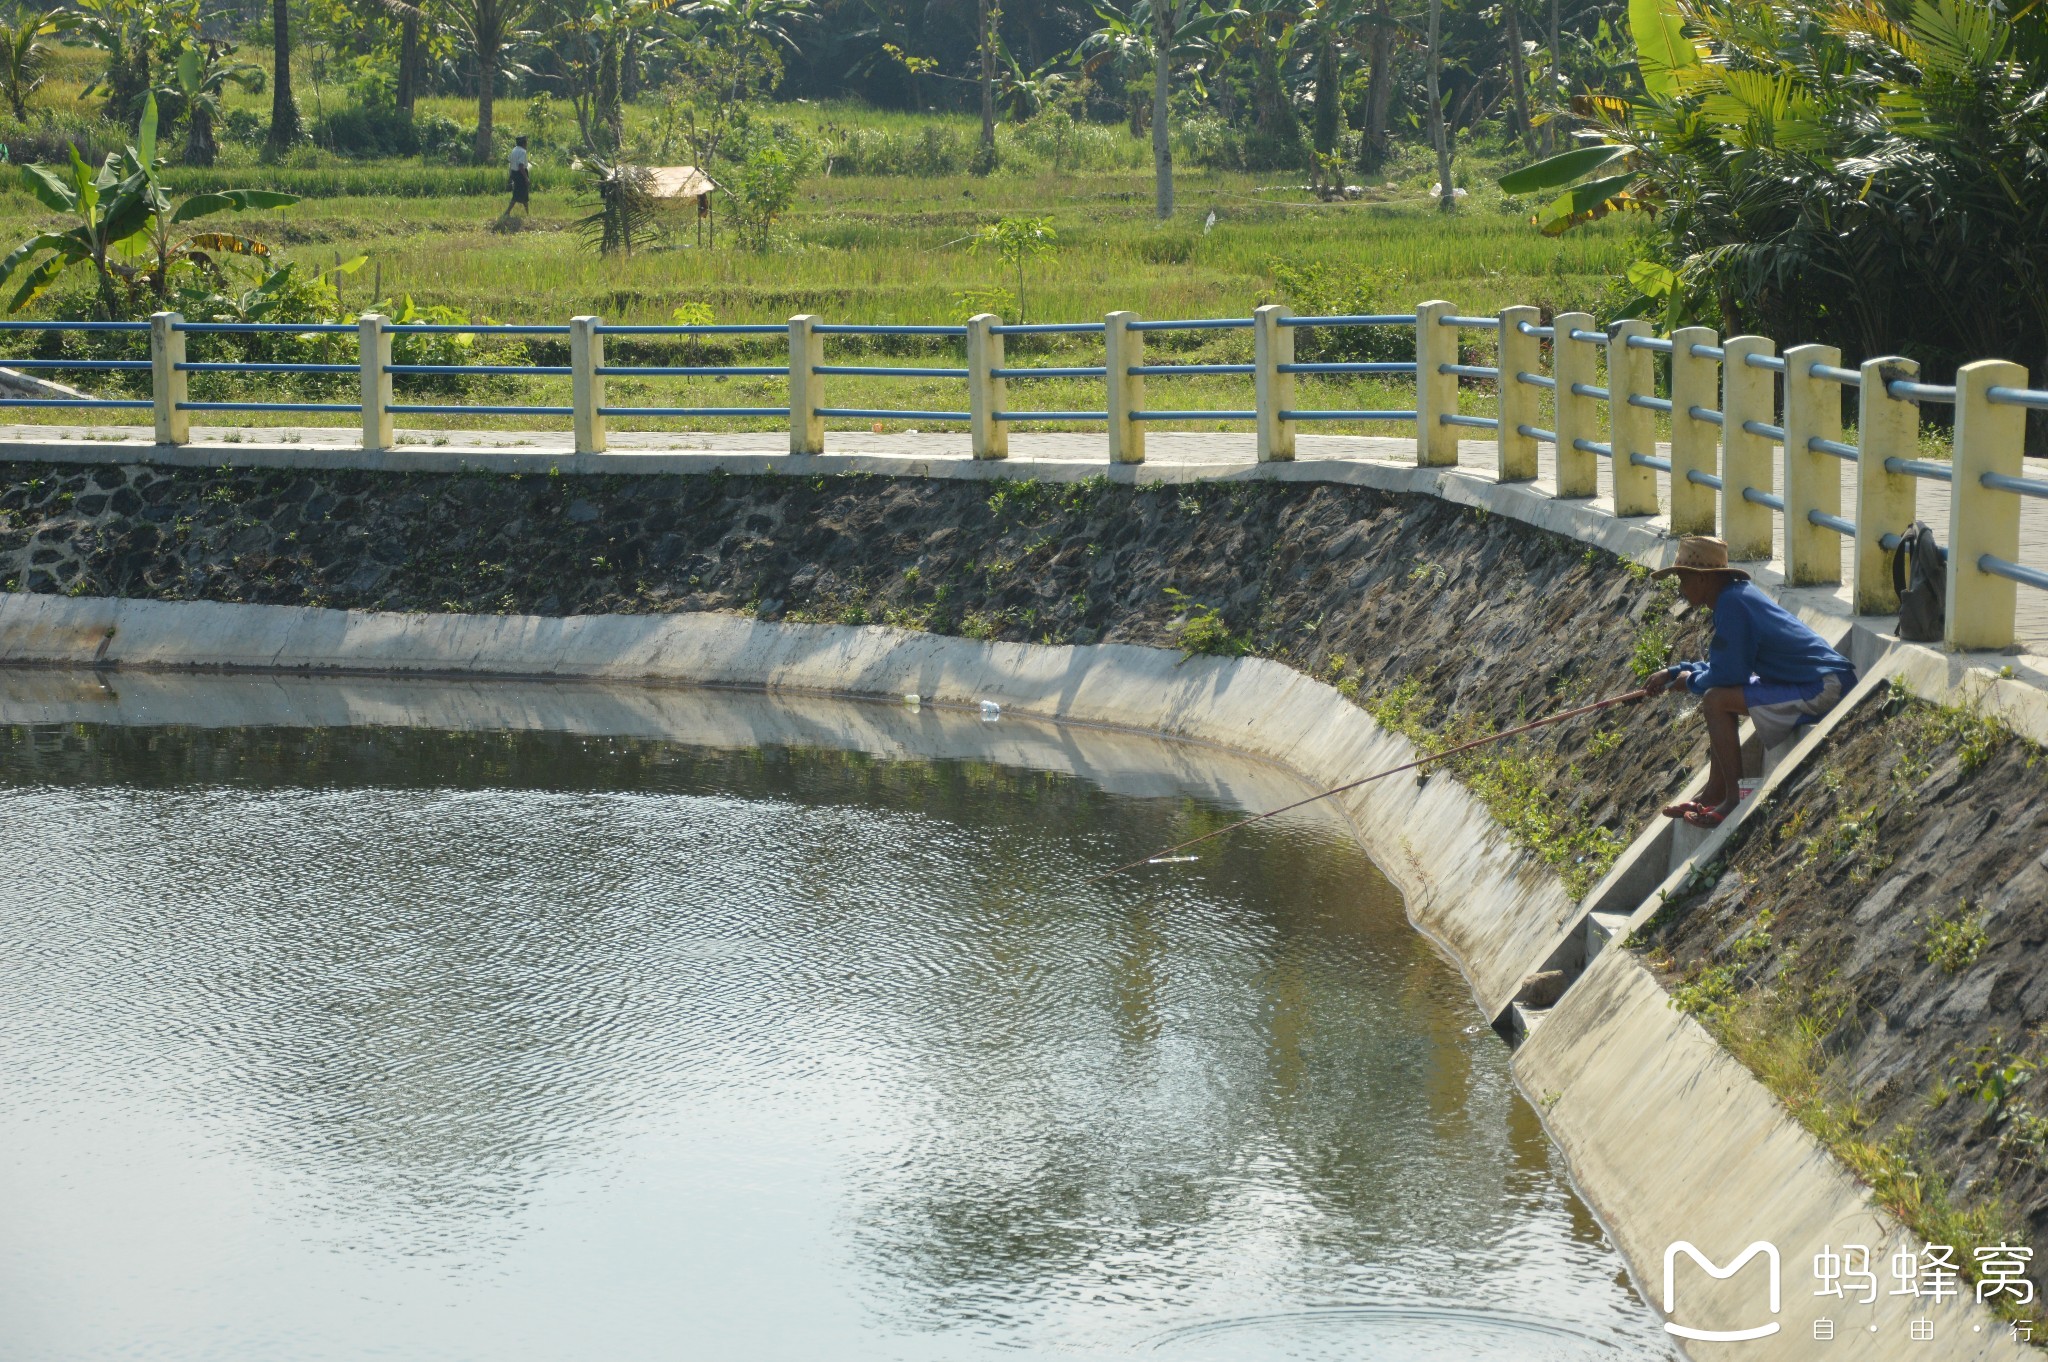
{"points": [[1762, 662]]}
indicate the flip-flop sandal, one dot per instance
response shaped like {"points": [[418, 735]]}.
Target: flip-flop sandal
{"points": [[1704, 817], [1684, 807]]}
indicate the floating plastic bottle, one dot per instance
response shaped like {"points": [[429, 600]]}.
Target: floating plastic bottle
{"points": [[991, 711], [912, 699]]}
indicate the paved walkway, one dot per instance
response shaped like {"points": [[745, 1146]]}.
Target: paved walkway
{"points": [[1221, 452]]}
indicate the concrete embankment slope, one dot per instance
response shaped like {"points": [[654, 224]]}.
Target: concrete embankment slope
{"points": [[1439, 615]]}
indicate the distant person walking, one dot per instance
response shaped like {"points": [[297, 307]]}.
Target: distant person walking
{"points": [[1764, 662], [522, 178]]}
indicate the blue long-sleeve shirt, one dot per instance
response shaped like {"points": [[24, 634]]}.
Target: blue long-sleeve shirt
{"points": [[1755, 636]]}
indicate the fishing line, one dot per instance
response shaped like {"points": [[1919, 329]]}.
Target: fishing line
{"points": [[1170, 855]]}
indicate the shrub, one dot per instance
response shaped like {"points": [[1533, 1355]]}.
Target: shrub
{"points": [[368, 130], [1321, 290]]}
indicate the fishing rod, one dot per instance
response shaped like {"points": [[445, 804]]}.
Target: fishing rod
{"points": [[1159, 857]]}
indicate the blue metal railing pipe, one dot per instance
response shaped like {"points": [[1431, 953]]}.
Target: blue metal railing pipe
{"points": [[1649, 461], [853, 330], [81, 403], [2013, 572], [1712, 480], [463, 329], [1051, 415], [1363, 319], [1775, 363], [1600, 447], [1192, 369], [77, 326], [1839, 524], [1361, 367], [1209, 324], [1347, 416], [693, 411], [524, 370], [1588, 390], [1662, 347], [1921, 468], [2026, 487], [1078, 371], [1194, 416], [1452, 418], [1709, 352], [1770, 499], [273, 328], [1548, 437], [1536, 380], [1474, 322], [1765, 429], [690, 371], [1834, 447], [95, 364], [1711, 417], [1531, 329], [210, 367], [883, 414], [2018, 397], [709, 329], [1469, 370], [1051, 329], [1648, 403], [1835, 374], [270, 406], [1594, 337], [434, 409], [887, 371], [1921, 392]]}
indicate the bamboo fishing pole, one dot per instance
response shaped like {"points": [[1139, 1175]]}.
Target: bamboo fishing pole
{"points": [[1158, 856]]}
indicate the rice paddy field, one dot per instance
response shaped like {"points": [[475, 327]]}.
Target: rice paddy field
{"points": [[894, 248]]}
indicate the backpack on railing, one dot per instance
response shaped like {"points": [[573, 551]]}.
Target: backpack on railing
{"points": [[1923, 602]]}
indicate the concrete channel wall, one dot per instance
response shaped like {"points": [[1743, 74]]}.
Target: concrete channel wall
{"points": [[1668, 1137]]}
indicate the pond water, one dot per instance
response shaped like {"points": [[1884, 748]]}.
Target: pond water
{"points": [[622, 1026]]}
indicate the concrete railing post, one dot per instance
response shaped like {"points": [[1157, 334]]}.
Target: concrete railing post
{"points": [[1983, 521], [1886, 502], [986, 393], [586, 384], [374, 351], [1813, 481], [1123, 350], [1695, 444], [1631, 430], [1573, 362], [1436, 392], [1747, 394], [167, 386], [1521, 404], [806, 353], [1273, 346]]}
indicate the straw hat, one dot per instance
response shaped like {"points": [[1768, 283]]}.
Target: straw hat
{"points": [[1701, 553]]}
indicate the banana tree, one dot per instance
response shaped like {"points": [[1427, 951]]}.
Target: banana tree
{"points": [[124, 227], [24, 54], [202, 75]]}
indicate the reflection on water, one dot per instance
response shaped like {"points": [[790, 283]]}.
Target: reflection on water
{"points": [[344, 1042]]}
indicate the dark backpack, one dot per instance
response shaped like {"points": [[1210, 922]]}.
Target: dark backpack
{"points": [[1923, 602]]}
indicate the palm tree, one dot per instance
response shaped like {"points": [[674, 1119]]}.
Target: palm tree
{"points": [[1173, 34], [284, 110], [1439, 134], [487, 28], [23, 54]]}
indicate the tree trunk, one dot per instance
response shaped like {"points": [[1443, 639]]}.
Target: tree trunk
{"points": [[611, 111], [1329, 110], [408, 63], [1550, 92], [284, 110], [486, 96], [1162, 145], [1379, 97], [988, 80], [1438, 132], [1519, 75]]}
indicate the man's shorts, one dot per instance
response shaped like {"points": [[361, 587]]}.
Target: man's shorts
{"points": [[1779, 707]]}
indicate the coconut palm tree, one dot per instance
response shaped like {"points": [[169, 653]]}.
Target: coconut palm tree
{"points": [[24, 54]]}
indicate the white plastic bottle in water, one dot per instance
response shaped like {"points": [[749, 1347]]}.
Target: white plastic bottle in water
{"points": [[991, 711]]}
